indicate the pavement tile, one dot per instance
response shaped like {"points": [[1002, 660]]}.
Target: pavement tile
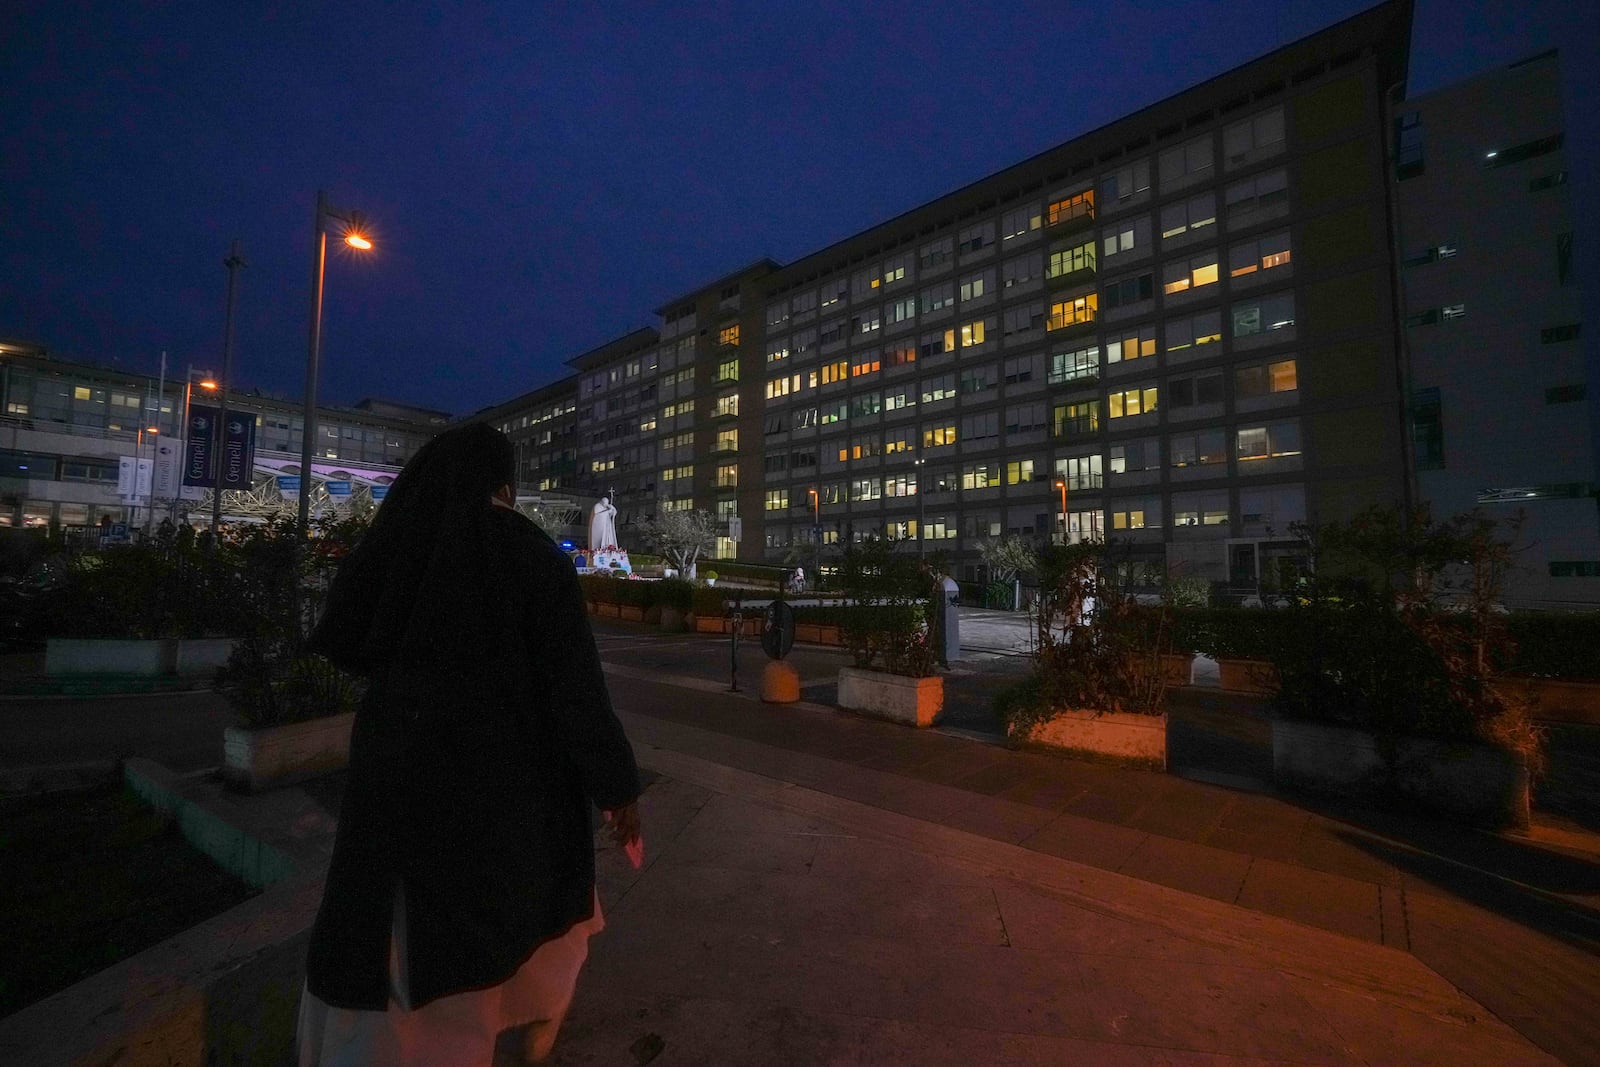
{"points": [[1372, 1028], [1119, 801], [1527, 978], [929, 801], [1335, 849], [1043, 791], [1043, 922], [995, 778], [1199, 1007], [766, 852], [1088, 841], [1329, 901], [1002, 820], [700, 1031], [644, 952], [1209, 872], [851, 858], [805, 908], [1189, 812], [955, 764]]}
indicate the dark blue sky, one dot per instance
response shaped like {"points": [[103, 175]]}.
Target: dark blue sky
{"points": [[540, 176]]}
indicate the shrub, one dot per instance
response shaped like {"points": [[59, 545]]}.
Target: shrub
{"points": [[1107, 658], [1397, 633], [888, 618], [709, 603], [1554, 646], [672, 593], [272, 692], [1226, 633]]}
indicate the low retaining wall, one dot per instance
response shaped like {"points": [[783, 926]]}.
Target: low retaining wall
{"points": [[65, 656], [225, 991], [256, 759], [1472, 782], [1136, 740], [913, 701], [1552, 700]]}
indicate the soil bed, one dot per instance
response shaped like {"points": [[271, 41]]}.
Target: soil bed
{"points": [[93, 877]]}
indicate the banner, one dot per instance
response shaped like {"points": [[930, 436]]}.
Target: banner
{"points": [[379, 492], [133, 478], [166, 470], [340, 488], [239, 450], [288, 483], [200, 446]]}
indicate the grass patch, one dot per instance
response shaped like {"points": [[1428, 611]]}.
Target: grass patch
{"points": [[91, 878]]}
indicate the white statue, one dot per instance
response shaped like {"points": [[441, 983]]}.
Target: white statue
{"points": [[603, 526]]}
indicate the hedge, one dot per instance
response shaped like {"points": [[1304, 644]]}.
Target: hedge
{"points": [[1555, 646], [601, 589], [1227, 633]]}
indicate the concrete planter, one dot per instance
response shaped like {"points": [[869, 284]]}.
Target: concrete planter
{"points": [[1247, 676], [257, 759], [710, 624], [1138, 740], [672, 620], [1553, 700], [154, 657], [817, 634], [913, 701], [630, 613], [1472, 782]]}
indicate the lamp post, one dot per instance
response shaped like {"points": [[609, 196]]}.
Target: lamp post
{"points": [[354, 236], [233, 263], [816, 535], [1061, 484], [206, 382], [921, 534]]}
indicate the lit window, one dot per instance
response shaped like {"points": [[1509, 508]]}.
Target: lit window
{"points": [[1078, 206], [1072, 312], [973, 333], [1141, 401], [1268, 442], [1071, 260], [728, 440], [1196, 272], [1135, 344], [1261, 254]]}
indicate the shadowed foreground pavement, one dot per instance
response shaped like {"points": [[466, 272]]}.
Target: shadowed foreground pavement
{"points": [[775, 924]]}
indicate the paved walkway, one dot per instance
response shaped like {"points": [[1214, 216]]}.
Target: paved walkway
{"points": [[1512, 922]]}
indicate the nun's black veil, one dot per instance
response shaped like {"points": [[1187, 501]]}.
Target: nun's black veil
{"points": [[421, 582]]}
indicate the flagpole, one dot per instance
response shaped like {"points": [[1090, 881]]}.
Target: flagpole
{"points": [[150, 499]]}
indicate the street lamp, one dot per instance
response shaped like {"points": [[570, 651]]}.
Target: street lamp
{"points": [[355, 236], [1066, 537], [816, 535], [233, 263], [208, 383], [921, 536]]}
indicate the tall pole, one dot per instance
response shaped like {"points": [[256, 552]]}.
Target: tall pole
{"points": [[921, 535], [308, 430], [150, 499], [233, 263]]}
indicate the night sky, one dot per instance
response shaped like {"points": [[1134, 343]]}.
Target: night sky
{"points": [[541, 176]]}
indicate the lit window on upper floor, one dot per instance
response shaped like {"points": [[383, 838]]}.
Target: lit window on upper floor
{"points": [[1070, 208], [1265, 379], [1193, 273], [1136, 342], [1125, 402], [728, 335], [1188, 216], [1260, 255]]}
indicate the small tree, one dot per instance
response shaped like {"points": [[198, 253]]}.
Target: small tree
{"points": [[1008, 557], [888, 615], [681, 536]]}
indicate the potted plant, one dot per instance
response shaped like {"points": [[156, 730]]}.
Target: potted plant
{"points": [[711, 577], [1386, 661], [886, 632], [1182, 593], [1098, 686], [1240, 640]]}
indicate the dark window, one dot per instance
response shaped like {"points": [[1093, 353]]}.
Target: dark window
{"points": [[1528, 150], [1427, 429], [1130, 290], [1548, 181], [1587, 568], [1565, 394], [1554, 335], [1564, 258], [1408, 161]]}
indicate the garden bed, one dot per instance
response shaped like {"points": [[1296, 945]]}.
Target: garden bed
{"points": [[93, 877]]}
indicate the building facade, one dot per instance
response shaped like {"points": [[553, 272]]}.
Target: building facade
{"points": [[65, 426], [1502, 414], [1179, 330]]}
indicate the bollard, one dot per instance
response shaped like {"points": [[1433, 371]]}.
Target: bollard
{"points": [[733, 646]]}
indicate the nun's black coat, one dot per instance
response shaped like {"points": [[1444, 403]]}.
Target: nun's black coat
{"points": [[471, 776]]}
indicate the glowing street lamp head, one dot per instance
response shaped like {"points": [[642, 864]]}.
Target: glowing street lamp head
{"points": [[207, 383], [355, 240]]}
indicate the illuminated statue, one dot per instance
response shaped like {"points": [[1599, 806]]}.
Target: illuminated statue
{"points": [[603, 526]]}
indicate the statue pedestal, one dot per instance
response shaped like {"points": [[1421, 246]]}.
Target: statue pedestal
{"points": [[607, 561]]}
